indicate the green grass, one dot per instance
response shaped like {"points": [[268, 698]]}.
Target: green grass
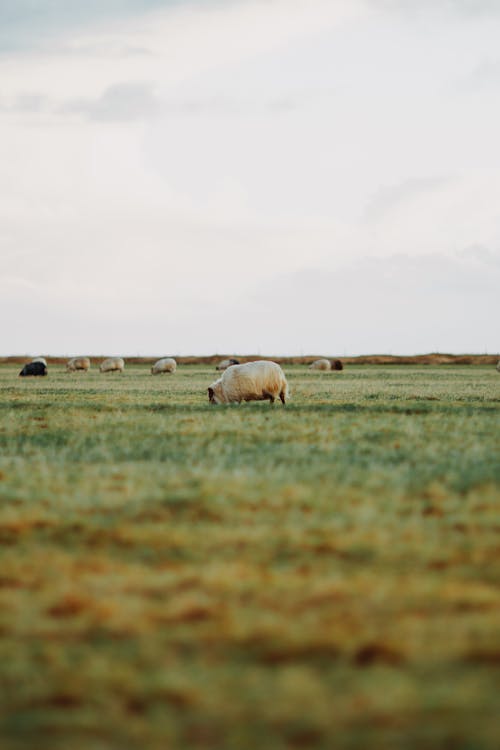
{"points": [[176, 575]]}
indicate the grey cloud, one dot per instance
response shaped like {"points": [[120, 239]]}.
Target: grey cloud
{"points": [[481, 255], [467, 7], [485, 76], [30, 103], [123, 101], [474, 269], [25, 103], [474, 7], [401, 304], [394, 195], [133, 101], [128, 101]]}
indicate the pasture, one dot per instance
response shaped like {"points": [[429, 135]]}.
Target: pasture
{"points": [[178, 575]]}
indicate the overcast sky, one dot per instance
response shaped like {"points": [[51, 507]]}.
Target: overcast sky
{"points": [[249, 176]]}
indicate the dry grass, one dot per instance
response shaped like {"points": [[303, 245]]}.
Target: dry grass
{"points": [[174, 575]]}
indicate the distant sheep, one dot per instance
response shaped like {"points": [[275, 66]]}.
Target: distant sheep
{"points": [[112, 364], [254, 381], [33, 368], [78, 363], [498, 366], [167, 364], [337, 365], [225, 363], [321, 364]]}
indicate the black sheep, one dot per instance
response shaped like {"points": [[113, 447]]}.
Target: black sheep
{"points": [[33, 368]]}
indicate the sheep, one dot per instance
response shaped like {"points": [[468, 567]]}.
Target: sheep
{"points": [[33, 368], [78, 363], [167, 364], [112, 364], [225, 363], [253, 381], [321, 364], [337, 365], [498, 366]]}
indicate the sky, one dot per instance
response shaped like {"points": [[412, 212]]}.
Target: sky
{"points": [[249, 176]]}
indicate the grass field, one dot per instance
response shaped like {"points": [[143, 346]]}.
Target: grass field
{"points": [[176, 575]]}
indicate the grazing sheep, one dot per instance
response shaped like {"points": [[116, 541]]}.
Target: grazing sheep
{"points": [[254, 381], [78, 363], [321, 364], [112, 364], [498, 365], [40, 359], [225, 363], [33, 368], [337, 364], [167, 364]]}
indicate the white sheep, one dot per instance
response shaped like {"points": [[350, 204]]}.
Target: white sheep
{"points": [[78, 363], [112, 364], [253, 381], [167, 364], [321, 364], [225, 363]]}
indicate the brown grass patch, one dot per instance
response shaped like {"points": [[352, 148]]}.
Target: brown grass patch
{"points": [[69, 605], [377, 653]]}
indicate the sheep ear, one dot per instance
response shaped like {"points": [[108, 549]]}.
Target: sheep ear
{"points": [[210, 393]]}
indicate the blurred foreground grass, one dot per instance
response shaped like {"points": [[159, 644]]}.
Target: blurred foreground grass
{"points": [[175, 575]]}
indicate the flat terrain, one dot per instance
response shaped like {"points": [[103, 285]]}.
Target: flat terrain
{"points": [[176, 575]]}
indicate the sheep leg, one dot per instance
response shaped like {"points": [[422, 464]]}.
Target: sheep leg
{"points": [[268, 395], [282, 397]]}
